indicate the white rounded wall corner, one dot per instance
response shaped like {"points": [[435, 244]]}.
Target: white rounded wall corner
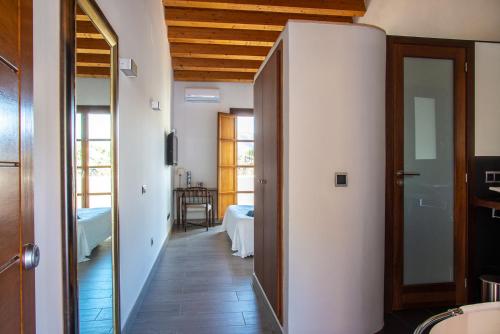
{"points": [[335, 117]]}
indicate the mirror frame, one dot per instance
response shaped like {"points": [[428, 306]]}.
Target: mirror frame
{"points": [[68, 160]]}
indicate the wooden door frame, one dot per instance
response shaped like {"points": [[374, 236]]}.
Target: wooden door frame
{"points": [[392, 279], [68, 162]]}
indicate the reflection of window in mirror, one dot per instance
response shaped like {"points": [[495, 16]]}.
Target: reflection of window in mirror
{"points": [[93, 151], [425, 128]]}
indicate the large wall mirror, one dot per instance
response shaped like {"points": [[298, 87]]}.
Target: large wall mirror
{"points": [[92, 266]]}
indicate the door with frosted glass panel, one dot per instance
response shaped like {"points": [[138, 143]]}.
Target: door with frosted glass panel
{"points": [[429, 174]]}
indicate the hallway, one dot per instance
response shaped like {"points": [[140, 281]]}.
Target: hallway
{"points": [[200, 288]]}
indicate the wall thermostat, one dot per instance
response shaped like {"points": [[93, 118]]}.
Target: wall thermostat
{"points": [[340, 179]]}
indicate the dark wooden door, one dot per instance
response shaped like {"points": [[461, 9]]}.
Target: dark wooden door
{"points": [[17, 307], [427, 167], [259, 255], [268, 188]]}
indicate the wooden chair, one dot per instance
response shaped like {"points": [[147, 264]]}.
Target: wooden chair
{"points": [[196, 200]]}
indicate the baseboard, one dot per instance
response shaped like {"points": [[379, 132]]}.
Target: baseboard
{"points": [[262, 296], [135, 309]]}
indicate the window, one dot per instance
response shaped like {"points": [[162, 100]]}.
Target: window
{"points": [[245, 160], [235, 163], [93, 157]]}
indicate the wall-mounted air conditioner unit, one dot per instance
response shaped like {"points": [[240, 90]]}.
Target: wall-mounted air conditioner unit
{"points": [[202, 95]]}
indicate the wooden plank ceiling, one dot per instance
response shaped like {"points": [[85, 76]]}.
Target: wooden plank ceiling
{"points": [[227, 40], [93, 58]]}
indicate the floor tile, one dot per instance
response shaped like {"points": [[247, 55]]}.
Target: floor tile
{"points": [[201, 288], [96, 291]]}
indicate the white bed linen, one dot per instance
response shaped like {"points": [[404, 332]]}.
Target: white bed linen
{"points": [[94, 226], [239, 227]]}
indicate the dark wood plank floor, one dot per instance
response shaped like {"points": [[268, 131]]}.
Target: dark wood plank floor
{"points": [[201, 288], [96, 290]]}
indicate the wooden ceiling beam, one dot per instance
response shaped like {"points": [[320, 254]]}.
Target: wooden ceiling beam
{"points": [[85, 64], [94, 72], [82, 17], [218, 51], [85, 29], [99, 45], [93, 58], [213, 76], [92, 51], [233, 19], [215, 65], [313, 7], [222, 36]]}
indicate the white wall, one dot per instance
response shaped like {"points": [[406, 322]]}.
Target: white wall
{"points": [[487, 99], [142, 35], [47, 166], [196, 125], [92, 91], [334, 237], [455, 19], [458, 19]]}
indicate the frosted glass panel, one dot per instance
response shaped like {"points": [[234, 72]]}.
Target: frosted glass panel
{"points": [[429, 156], [425, 128]]}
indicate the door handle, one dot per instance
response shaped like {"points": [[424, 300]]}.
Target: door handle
{"points": [[31, 257], [262, 181], [404, 173], [29, 260]]}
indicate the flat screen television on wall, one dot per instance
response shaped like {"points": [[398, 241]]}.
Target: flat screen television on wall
{"points": [[171, 148]]}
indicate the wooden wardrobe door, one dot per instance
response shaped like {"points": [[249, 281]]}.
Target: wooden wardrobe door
{"points": [[268, 190], [259, 255]]}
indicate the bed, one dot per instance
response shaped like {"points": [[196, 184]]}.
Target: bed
{"points": [[239, 227], [94, 226]]}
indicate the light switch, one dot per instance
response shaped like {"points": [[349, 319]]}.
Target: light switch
{"points": [[340, 179], [144, 188]]}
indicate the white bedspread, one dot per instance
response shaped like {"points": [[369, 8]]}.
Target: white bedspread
{"points": [[239, 227], [94, 226]]}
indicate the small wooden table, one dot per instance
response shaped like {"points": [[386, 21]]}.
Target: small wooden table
{"points": [[177, 203]]}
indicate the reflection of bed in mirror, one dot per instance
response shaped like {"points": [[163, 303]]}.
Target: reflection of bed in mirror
{"points": [[94, 227], [239, 227]]}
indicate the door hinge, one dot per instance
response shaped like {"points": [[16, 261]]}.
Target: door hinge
{"points": [[466, 177], [466, 66]]}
